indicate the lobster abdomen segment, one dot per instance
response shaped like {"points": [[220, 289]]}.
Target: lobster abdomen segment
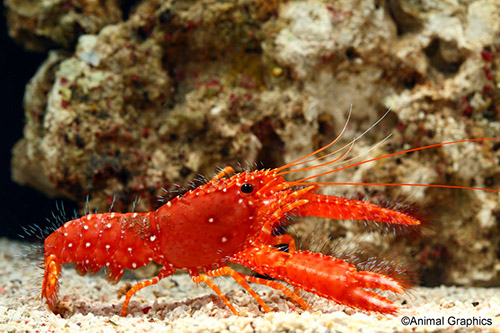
{"points": [[333, 207], [112, 240], [104, 240]]}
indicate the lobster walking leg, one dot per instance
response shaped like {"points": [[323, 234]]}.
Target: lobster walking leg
{"points": [[240, 278], [213, 286], [284, 239], [163, 274], [279, 286]]}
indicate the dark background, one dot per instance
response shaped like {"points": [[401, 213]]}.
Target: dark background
{"points": [[19, 205]]}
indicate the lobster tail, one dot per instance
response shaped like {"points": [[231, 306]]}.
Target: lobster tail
{"points": [[111, 240], [50, 285], [52, 268]]}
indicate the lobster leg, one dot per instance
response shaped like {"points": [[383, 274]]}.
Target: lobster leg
{"points": [[240, 278], [265, 235], [213, 286], [284, 239], [349, 209], [278, 286], [163, 273]]}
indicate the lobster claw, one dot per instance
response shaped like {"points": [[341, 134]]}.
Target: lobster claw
{"points": [[333, 207], [324, 276]]}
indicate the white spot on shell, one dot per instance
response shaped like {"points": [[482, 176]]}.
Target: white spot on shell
{"points": [[210, 220], [70, 244], [152, 238], [87, 261], [169, 204], [107, 264], [87, 244], [224, 239], [129, 249], [240, 201], [107, 247], [112, 215], [66, 234], [224, 190], [134, 265], [108, 225], [88, 217], [135, 215], [86, 227]]}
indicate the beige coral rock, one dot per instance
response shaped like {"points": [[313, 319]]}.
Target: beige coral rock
{"points": [[39, 25], [181, 88]]}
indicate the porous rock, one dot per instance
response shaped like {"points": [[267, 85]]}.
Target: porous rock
{"points": [[179, 89]]}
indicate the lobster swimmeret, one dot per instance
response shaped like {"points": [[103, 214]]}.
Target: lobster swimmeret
{"points": [[230, 219]]}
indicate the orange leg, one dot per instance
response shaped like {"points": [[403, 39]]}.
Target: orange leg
{"points": [[213, 286], [284, 239], [265, 235], [240, 278], [278, 286], [163, 273]]}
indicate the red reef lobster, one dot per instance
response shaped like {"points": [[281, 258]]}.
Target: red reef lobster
{"points": [[231, 219]]}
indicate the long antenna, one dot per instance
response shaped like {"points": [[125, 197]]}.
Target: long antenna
{"points": [[350, 145], [296, 162], [303, 181]]}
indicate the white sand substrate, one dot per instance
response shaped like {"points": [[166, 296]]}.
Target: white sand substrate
{"points": [[177, 304]]}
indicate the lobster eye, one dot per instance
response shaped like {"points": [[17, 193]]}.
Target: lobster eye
{"points": [[246, 188]]}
